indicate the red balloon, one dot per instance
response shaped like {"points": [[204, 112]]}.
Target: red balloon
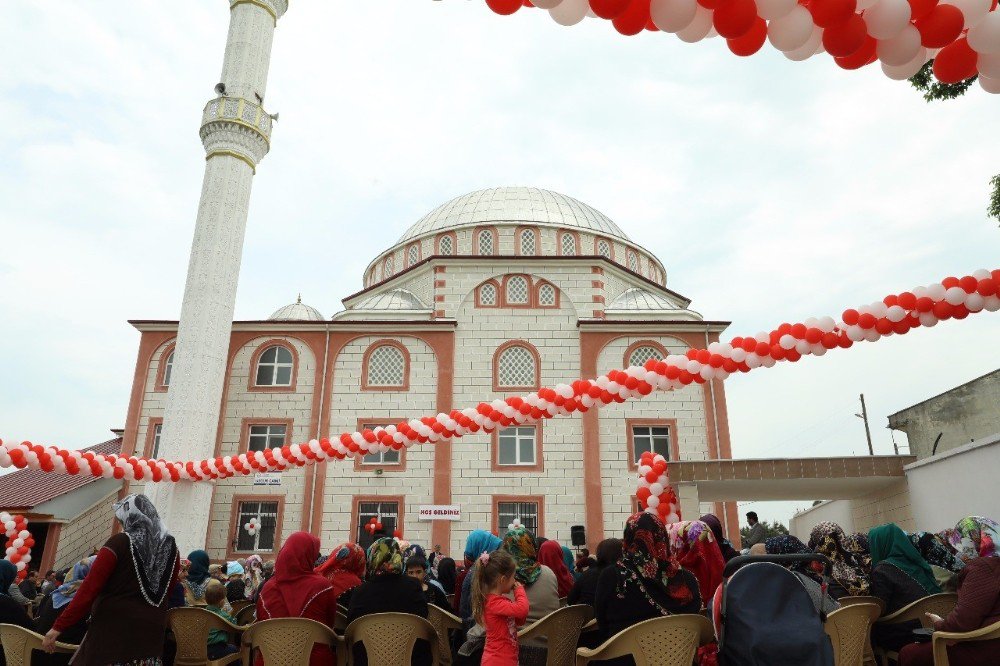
{"points": [[711, 4], [850, 317], [633, 20], [941, 26], [652, 476], [907, 300], [398, 534], [378, 526], [986, 287], [828, 13], [866, 321], [609, 9], [863, 56], [642, 495], [735, 18], [845, 38], [955, 62], [504, 7], [921, 8], [968, 283]]}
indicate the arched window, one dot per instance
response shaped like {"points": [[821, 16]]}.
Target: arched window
{"points": [[640, 355], [517, 290], [516, 368], [568, 245], [446, 246], [546, 296], [485, 241], [604, 248], [168, 367], [488, 295], [274, 367], [633, 262], [412, 255], [385, 367], [388, 266], [527, 242]]}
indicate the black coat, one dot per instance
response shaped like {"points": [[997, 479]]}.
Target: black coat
{"points": [[585, 589], [615, 614], [389, 593], [12, 612]]}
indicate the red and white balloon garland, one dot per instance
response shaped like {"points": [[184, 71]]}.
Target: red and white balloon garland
{"points": [[19, 542], [655, 494], [896, 314], [962, 36]]}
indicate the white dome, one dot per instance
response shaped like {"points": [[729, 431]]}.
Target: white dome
{"points": [[394, 299], [297, 311], [640, 299], [514, 204]]}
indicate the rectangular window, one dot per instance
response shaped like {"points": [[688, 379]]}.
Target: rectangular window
{"points": [[386, 513], [516, 446], [526, 512], [650, 438], [157, 429], [388, 458], [266, 514], [266, 437]]}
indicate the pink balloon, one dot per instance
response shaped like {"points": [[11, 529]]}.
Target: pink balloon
{"points": [[791, 31], [887, 18], [901, 49]]}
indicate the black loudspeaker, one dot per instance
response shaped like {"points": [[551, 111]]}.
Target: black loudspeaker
{"points": [[577, 535]]}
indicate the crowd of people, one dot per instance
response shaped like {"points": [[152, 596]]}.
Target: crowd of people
{"points": [[114, 604]]}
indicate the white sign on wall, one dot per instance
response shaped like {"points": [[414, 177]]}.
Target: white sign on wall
{"points": [[441, 512], [267, 479]]}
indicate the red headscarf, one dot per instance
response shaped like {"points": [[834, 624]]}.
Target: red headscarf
{"points": [[693, 543], [551, 555], [294, 583], [344, 568]]}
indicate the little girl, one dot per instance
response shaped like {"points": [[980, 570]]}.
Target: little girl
{"points": [[498, 614]]}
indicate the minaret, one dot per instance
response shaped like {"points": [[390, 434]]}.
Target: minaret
{"points": [[236, 133]]}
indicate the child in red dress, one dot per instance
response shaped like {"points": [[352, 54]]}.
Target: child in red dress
{"points": [[498, 614]]}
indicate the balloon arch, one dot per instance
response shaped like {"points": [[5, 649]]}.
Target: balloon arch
{"points": [[896, 314], [962, 37]]}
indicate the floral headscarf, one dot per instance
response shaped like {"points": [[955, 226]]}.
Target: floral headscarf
{"points": [[384, 558], [254, 576], [976, 536], [694, 545], [648, 563], [786, 544], [936, 551], [828, 539], [63, 594], [521, 545], [857, 544]]}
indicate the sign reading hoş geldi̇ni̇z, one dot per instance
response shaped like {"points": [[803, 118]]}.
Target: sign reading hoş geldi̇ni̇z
{"points": [[441, 512]]}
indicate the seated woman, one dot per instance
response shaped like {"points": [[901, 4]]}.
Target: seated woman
{"points": [[977, 541], [295, 590], [479, 542], [447, 574], [345, 569], [235, 586], [899, 577], [387, 590], [939, 554], [585, 589], [786, 544], [695, 548], [197, 578], [551, 555], [646, 582], [539, 581], [417, 568], [54, 604], [728, 552], [848, 577]]}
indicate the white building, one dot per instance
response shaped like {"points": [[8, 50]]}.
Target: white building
{"points": [[492, 294]]}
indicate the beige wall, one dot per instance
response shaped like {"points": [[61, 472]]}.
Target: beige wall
{"points": [[835, 511], [79, 537]]}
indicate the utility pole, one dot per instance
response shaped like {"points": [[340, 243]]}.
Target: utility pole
{"points": [[864, 417]]}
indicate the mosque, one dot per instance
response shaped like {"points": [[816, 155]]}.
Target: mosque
{"points": [[492, 294]]}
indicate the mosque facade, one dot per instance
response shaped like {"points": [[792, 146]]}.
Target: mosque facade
{"points": [[492, 294]]}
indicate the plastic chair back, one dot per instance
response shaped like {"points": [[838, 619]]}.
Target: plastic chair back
{"points": [[848, 601], [18, 644], [389, 637], [190, 627], [443, 622], [286, 641], [663, 641], [246, 615], [848, 628], [562, 630], [939, 604], [942, 639]]}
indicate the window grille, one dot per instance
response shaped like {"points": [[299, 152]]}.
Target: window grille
{"points": [[412, 255], [386, 366], [446, 246], [517, 368], [486, 243], [604, 249], [488, 294], [633, 262], [386, 513], [526, 512], [547, 295], [527, 242], [263, 540], [517, 290], [388, 267], [568, 245], [640, 355]]}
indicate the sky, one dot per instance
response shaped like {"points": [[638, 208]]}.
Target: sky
{"points": [[771, 190]]}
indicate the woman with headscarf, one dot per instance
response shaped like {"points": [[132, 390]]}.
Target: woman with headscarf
{"points": [[585, 589], [569, 561], [478, 542], [253, 577], [125, 592], [848, 577], [977, 540], [54, 604], [695, 548], [857, 544], [938, 553], [235, 587], [197, 578], [388, 590], [899, 577], [539, 581], [447, 574], [296, 590], [728, 552], [11, 612], [646, 582], [786, 544], [345, 569], [551, 556]]}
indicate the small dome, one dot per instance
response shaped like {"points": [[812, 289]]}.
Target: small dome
{"points": [[640, 299], [394, 299], [297, 311]]}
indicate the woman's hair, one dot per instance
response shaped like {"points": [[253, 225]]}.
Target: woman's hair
{"points": [[488, 572], [215, 593], [608, 552]]}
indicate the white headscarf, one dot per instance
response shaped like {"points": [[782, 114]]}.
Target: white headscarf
{"points": [[153, 550]]}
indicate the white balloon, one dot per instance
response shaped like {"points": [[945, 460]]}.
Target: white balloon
{"points": [[974, 302], [808, 49], [770, 10], [569, 12], [955, 295], [901, 49], [992, 302], [655, 489], [984, 37], [936, 291], [974, 11], [896, 313], [24, 534], [989, 85], [699, 27], [546, 4], [672, 15], [903, 72], [653, 501], [672, 518], [887, 18], [865, 4], [989, 65], [791, 31]]}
